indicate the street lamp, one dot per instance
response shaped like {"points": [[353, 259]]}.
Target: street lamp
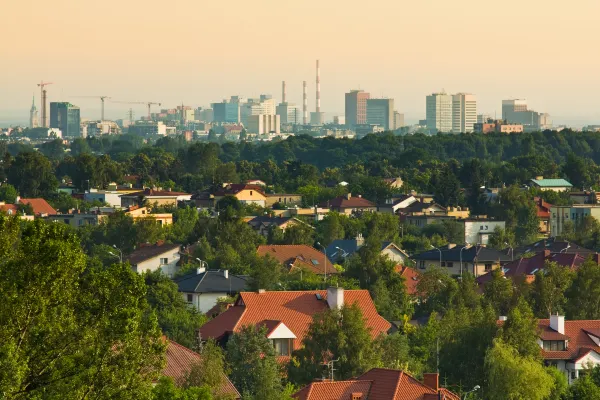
{"points": [[512, 251], [460, 254], [566, 248], [120, 253], [476, 388], [344, 252], [433, 247], [324, 251], [202, 263]]}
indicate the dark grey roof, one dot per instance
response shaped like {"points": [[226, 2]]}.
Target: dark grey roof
{"points": [[268, 221], [349, 247], [480, 253], [554, 245], [146, 252], [211, 281]]}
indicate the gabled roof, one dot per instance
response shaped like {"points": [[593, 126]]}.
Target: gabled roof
{"points": [[294, 308], [411, 278], [39, 206], [180, 360], [552, 244], [235, 188], [551, 183], [148, 252], [529, 266], [579, 341], [543, 208], [298, 256], [347, 202], [418, 206], [263, 220], [155, 193], [211, 281], [376, 384], [469, 254]]}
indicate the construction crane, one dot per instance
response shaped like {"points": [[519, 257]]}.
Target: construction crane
{"points": [[149, 104], [101, 100], [42, 86]]}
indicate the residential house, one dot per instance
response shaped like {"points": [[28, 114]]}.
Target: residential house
{"points": [[202, 288], [559, 215], [13, 209], [455, 259], [256, 182], [421, 208], [245, 193], [585, 197], [204, 199], [349, 204], [76, 218], [570, 346], [543, 213], [394, 183], [479, 230], [524, 269], [287, 315], [378, 384], [139, 213], [110, 197], [341, 249], [556, 185], [299, 257], [159, 256], [422, 220], [411, 278], [39, 206], [263, 224], [154, 196], [283, 199], [180, 360], [551, 244], [396, 203]]}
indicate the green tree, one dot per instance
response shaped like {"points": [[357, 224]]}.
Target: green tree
{"points": [[334, 334], [254, 369], [447, 188], [582, 389], [549, 288], [521, 330], [184, 222], [511, 376], [299, 233], [396, 353], [502, 239], [561, 384], [331, 228], [8, 193], [584, 292], [498, 292], [265, 274], [32, 175], [165, 389], [210, 370]]}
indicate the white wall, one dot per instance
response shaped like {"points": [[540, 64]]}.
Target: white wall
{"points": [[154, 263], [204, 301], [478, 232], [394, 255]]}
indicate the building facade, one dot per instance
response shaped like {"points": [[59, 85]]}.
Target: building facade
{"points": [[516, 112], [561, 215], [289, 113], [66, 117], [226, 112], [439, 112], [264, 124], [33, 115], [356, 107], [464, 112], [381, 112]]}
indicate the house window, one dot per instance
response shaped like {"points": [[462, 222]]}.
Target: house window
{"points": [[450, 264], [190, 298], [443, 263], [164, 261], [574, 374], [488, 267], [554, 345], [282, 346], [251, 193], [422, 264]]}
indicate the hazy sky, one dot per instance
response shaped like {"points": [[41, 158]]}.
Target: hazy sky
{"points": [[199, 51]]}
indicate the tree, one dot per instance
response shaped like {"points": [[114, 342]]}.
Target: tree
{"points": [[395, 353], [331, 228], [447, 188], [209, 370], [584, 292], [502, 239], [521, 330], [519, 211], [548, 289], [165, 389], [70, 329], [184, 221], [8, 193], [299, 233], [579, 171], [582, 389], [498, 292], [334, 334], [254, 369], [512, 376], [32, 175], [265, 273]]}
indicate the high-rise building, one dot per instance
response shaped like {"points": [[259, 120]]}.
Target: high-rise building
{"points": [[439, 112], [464, 112], [264, 124], [265, 105], [398, 120], [509, 107], [356, 107], [289, 113], [516, 112], [65, 116], [381, 112], [33, 115], [226, 112]]}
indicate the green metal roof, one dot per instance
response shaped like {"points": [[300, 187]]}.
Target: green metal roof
{"points": [[551, 182]]}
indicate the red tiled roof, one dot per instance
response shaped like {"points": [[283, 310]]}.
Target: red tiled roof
{"points": [[376, 384], [529, 266], [179, 361], [411, 279], [345, 202], [9, 209], [294, 309], [579, 340], [298, 255], [543, 208], [235, 188], [40, 206]]}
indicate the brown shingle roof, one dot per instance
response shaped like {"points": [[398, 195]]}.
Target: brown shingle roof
{"points": [[156, 193], [294, 309], [235, 188], [147, 252], [299, 256], [345, 202], [179, 361]]}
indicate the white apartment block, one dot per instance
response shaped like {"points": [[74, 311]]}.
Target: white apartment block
{"points": [[464, 112], [439, 112], [264, 124]]}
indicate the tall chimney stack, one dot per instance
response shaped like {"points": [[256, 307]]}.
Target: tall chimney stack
{"points": [[305, 104], [283, 92], [318, 88]]}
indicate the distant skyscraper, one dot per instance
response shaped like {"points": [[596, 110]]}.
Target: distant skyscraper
{"points": [[289, 113], [226, 112], [439, 112], [516, 112], [65, 116], [264, 124], [356, 107], [265, 105], [33, 115], [512, 106], [398, 120], [464, 112], [381, 112]]}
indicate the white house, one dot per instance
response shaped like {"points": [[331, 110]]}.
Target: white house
{"points": [[153, 257], [201, 288], [112, 198], [478, 231]]}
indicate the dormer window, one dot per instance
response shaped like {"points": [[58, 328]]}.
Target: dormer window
{"points": [[555, 345], [283, 347]]}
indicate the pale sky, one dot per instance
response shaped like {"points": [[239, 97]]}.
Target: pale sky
{"points": [[199, 51]]}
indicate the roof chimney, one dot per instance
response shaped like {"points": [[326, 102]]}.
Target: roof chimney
{"points": [[200, 270], [360, 240], [451, 245], [432, 380], [335, 297], [502, 318], [17, 199], [261, 291], [348, 195], [226, 273], [557, 322]]}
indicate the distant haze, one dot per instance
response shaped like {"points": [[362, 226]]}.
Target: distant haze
{"points": [[198, 52]]}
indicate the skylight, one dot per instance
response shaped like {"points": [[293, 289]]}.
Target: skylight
{"points": [[315, 262]]}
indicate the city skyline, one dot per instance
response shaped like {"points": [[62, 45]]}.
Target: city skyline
{"points": [[191, 57]]}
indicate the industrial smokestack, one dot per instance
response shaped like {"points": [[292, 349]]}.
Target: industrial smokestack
{"points": [[318, 88], [305, 103], [283, 92], [44, 110]]}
